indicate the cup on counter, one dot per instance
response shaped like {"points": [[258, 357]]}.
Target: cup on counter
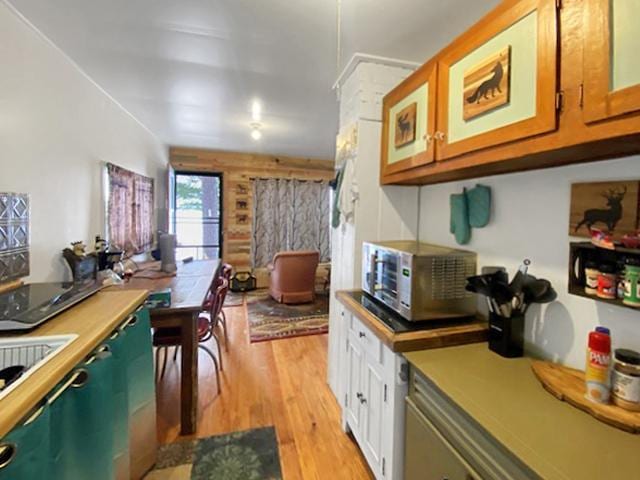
{"points": [[607, 282]]}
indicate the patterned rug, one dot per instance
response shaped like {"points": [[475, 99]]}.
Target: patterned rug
{"points": [[248, 455], [270, 320]]}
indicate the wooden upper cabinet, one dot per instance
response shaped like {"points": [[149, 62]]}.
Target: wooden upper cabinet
{"points": [[497, 82], [408, 122], [611, 69]]}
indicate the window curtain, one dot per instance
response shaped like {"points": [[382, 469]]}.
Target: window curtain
{"points": [[129, 210], [289, 215]]}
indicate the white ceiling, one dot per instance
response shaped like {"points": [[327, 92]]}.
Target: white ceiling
{"points": [[190, 69]]}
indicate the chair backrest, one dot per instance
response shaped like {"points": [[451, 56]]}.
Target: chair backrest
{"points": [[295, 270], [218, 297], [226, 272]]}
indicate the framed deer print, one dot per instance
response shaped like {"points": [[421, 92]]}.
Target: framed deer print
{"points": [[405, 125], [408, 123], [609, 206]]}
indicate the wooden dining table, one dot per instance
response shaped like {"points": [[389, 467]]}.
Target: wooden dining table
{"points": [[189, 288]]}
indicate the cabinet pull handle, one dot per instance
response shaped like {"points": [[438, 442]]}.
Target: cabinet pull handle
{"points": [[362, 335], [78, 379], [7, 453], [129, 322], [358, 395], [363, 400]]}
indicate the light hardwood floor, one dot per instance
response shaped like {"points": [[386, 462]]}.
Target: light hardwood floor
{"points": [[280, 383]]}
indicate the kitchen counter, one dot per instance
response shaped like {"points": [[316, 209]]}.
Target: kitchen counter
{"points": [[92, 320], [439, 335], [554, 439]]}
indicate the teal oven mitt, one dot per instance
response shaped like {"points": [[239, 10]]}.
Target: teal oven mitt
{"points": [[479, 206], [459, 218]]}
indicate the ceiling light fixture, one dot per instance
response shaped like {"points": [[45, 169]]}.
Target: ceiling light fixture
{"points": [[256, 111], [256, 134]]}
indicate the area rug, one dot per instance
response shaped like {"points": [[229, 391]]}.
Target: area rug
{"points": [[270, 320], [248, 455], [234, 299]]}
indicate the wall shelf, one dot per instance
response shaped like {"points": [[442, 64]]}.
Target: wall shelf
{"points": [[580, 252]]}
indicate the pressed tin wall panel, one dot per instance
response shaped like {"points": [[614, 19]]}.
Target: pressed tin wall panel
{"points": [[14, 236]]}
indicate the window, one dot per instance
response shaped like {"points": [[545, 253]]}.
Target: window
{"points": [[129, 210], [197, 215]]}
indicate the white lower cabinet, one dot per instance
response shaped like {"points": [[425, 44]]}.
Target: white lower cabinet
{"points": [[375, 384]]}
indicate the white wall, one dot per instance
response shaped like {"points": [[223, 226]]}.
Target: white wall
{"points": [[530, 220], [57, 128]]}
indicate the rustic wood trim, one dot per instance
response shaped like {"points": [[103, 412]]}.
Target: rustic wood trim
{"points": [[425, 74], [457, 334], [503, 17], [599, 101]]}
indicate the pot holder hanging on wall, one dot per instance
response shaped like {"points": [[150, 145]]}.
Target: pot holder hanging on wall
{"points": [[469, 209], [479, 206], [460, 218]]}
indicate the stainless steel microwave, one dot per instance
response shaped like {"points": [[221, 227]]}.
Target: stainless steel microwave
{"points": [[419, 281]]}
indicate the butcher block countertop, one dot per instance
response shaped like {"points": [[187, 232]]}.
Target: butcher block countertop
{"points": [[556, 440], [440, 335], [93, 320]]}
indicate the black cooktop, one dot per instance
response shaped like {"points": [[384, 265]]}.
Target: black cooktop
{"points": [[393, 320], [28, 306]]}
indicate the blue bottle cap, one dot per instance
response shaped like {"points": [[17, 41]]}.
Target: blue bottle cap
{"points": [[604, 330]]}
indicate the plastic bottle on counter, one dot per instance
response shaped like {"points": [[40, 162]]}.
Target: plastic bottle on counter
{"points": [[597, 368]]}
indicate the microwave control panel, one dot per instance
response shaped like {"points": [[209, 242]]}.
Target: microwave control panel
{"points": [[404, 281]]}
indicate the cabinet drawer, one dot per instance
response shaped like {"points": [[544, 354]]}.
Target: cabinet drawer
{"points": [[371, 345], [478, 448]]}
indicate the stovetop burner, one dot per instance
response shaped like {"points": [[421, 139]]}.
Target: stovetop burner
{"points": [[28, 306], [393, 320]]}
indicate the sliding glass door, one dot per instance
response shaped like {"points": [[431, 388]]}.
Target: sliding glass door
{"points": [[197, 215]]}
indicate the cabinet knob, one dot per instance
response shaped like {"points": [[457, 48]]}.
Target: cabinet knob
{"points": [[359, 396], [363, 400], [362, 335], [439, 136]]}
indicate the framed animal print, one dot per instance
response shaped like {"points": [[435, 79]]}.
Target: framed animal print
{"points": [[609, 206], [486, 85], [409, 123], [405, 125]]}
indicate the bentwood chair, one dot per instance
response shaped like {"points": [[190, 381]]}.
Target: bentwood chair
{"points": [[207, 322]]}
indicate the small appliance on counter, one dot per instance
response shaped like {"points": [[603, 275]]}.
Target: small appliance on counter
{"points": [[28, 306], [420, 281]]}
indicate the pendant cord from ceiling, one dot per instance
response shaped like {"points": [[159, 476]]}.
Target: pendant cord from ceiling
{"points": [[338, 33]]}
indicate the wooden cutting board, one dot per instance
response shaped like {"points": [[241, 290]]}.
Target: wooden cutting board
{"points": [[567, 384]]}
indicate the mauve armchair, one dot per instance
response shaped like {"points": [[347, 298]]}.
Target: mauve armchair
{"points": [[293, 276]]}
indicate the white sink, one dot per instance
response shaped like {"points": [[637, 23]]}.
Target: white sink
{"points": [[32, 352]]}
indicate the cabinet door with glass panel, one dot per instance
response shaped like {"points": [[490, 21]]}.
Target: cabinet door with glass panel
{"points": [[409, 115], [610, 62], [497, 82]]}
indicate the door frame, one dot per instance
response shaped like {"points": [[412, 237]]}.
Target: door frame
{"points": [[220, 176]]}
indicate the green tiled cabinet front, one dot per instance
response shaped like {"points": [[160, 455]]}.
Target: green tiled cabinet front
{"points": [[99, 423], [611, 69]]}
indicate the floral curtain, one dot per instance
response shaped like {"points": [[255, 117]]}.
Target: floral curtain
{"points": [[289, 215], [130, 210]]}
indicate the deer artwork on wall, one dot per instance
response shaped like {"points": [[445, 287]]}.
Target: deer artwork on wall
{"points": [[609, 216]]}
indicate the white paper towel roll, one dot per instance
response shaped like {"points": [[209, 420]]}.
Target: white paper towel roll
{"points": [[168, 253]]}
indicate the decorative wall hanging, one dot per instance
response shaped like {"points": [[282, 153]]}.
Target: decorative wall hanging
{"points": [[608, 206], [471, 208], [242, 205], [242, 189], [486, 85], [14, 236], [406, 125]]}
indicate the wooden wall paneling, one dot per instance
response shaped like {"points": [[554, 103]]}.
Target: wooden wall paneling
{"points": [[573, 141], [238, 169]]}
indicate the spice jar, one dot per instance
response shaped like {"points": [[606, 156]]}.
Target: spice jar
{"points": [[591, 273], [607, 284], [626, 379], [631, 280]]}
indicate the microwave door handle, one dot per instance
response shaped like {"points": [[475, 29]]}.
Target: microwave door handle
{"points": [[373, 272]]}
